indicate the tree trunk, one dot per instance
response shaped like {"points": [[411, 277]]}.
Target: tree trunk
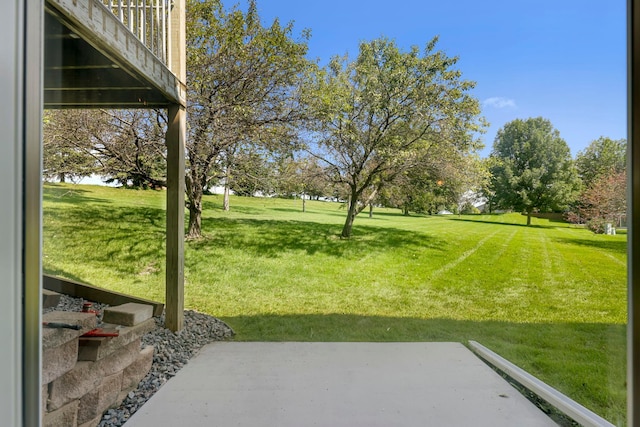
{"points": [[304, 207], [351, 216], [528, 219], [370, 210], [225, 198], [195, 212], [62, 178], [405, 210]]}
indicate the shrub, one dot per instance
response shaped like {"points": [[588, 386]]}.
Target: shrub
{"points": [[597, 225]]}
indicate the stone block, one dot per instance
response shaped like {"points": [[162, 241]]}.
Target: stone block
{"points": [[65, 416], [45, 396], [59, 360], [118, 360], [83, 378], [100, 347], [99, 400], [128, 314], [92, 423], [140, 367], [50, 298], [86, 320], [53, 337]]}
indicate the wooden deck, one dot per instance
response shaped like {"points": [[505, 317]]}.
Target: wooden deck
{"points": [[92, 60]]}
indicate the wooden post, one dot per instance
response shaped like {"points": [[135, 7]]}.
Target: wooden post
{"points": [[174, 304], [176, 135], [178, 40]]}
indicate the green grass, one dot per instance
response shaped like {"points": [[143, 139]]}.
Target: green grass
{"points": [[551, 298]]}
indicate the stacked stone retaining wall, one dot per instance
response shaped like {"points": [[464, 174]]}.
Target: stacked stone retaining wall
{"points": [[82, 377]]}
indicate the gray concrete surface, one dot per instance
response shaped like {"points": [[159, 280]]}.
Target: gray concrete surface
{"points": [[337, 384]]}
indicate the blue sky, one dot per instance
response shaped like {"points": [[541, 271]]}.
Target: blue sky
{"points": [[564, 60]]}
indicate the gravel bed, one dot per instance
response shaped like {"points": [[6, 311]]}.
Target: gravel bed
{"points": [[172, 352]]}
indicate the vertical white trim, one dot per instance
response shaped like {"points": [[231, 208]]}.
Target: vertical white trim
{"points": [[32, 94], [11, 84]]}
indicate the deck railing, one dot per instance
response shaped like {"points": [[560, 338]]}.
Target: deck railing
{"points": [[146, 19]]}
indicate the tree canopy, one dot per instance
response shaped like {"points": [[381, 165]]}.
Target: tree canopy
{"points": [[531, 168], [243, 80], [604, 156], [377, 116], [602, 167], [124, 146]]}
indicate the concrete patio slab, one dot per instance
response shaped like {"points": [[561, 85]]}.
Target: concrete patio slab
{"points": [[337, 384]]}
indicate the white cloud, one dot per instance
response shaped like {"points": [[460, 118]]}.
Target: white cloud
{"points": [[499, 102]]}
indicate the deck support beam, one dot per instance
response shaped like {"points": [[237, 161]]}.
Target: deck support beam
{"points": [[174, 304], [176, 136]]}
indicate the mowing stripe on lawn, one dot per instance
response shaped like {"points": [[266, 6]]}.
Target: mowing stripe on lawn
{"points": [[462, 257]]}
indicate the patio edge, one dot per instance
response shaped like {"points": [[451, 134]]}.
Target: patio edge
{"points": [[564, 404]]}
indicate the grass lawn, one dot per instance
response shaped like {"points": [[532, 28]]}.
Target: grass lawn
{"points": [[551, 298]]}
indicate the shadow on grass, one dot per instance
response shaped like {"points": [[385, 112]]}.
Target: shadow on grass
{"points": [[65, 275], [289, 210], [484, 221], [353, 327], [70, 195], [619, 246], [208, 205], [271, 238], [120, 237], [586, 361]]}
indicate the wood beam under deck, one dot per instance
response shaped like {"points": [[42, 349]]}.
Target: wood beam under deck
{"points": [[92, 60], [176, 139], [174, 302]]}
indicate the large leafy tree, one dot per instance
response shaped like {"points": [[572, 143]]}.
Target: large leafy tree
{"points": [[604, 201], [67, 145], [603, 156], [243, 81], [602, 167], [133, 150], [438, 181], [252, 172], [532, 169], [376, 116], [125, 146]]}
